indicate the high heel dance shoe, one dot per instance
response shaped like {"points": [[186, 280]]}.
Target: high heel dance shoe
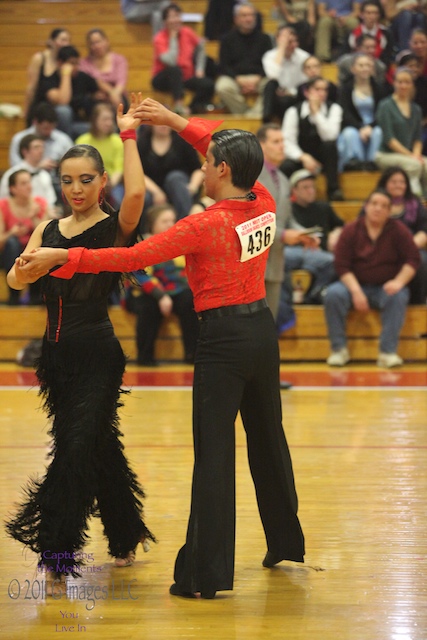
{"points": [[128, 560]]}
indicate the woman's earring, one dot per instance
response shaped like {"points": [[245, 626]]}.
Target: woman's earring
{"points": [[101, 196]]}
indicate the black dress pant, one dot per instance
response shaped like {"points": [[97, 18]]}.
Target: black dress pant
{"points": [[326, 153], [275, 105], [171, 81], [237, 368], [149, 319]]}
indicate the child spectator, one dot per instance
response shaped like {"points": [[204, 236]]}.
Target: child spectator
{"points": [[163, 289]]}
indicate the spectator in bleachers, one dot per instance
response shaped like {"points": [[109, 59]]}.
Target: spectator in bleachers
{"points": [[42, 65], [370, 22], [219, 18], [400, 120], [336, 18], [308, 212], [408, 208], [240, 64], [20, 213], [360, 138], [110, 69], [415, 65], [172, 169], [312, 68], [375, 259], [163, 289], [284, 72], [56, 142], [364, 44], [405, 16], [311, 129], [144, 11], [180, 63], [301, 16], [71, 91], [31, 150], [102, 135], [418, 46]]}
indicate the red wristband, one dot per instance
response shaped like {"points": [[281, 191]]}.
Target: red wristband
{"points": [[129, 134]]}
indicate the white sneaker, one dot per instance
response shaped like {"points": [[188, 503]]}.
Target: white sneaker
{"points": [[338, 358], [389, 360]]}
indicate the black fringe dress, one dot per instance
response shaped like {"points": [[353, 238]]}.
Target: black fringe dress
{"points": [[80, 374]]}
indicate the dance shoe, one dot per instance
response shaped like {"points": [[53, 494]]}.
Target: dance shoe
{"points": [[128, 560], [174, 590]]}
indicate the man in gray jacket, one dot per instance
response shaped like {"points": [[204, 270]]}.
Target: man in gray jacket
{"points": [[270, 137]]}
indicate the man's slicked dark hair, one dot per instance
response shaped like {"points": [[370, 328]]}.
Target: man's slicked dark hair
{"points": [[242, 152]]}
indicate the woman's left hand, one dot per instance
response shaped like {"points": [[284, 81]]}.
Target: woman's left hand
{"points": [[129, 120]]}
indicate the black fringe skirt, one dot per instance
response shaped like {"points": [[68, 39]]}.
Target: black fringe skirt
{"points": [[80, 383]]}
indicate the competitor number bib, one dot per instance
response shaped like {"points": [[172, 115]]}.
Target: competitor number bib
{"points": [[256, 235]]}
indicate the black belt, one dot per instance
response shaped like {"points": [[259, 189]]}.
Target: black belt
{"points": [[233, 310]]}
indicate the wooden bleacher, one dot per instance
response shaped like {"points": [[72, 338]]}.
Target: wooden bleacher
{"points": [[307, 341], [24, 29]]}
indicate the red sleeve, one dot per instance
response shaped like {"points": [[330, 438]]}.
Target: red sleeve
{"points": [[198, 133], [182, 238]]}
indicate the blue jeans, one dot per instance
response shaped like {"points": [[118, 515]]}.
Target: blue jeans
{"points": [[393, 309], [319, 263], [350, 146]]}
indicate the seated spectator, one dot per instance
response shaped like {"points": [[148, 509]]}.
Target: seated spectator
{"points": [[408, 208], [370, 23], [336, 18], [283, 70], [180, 62], [360, 138], [364, 44], [109, 69], [102, 135], [42, 65], [418, 46], [312, 68], [219, 18], [71, 92], [375, 259], [56, 142], [144, 11], [163, 289], [400, 120], [405, 16], [308, 212], [311, 129], [20, 213], [240, 64], [415, 66], [31, 150], [172, 169], [301, 16]]}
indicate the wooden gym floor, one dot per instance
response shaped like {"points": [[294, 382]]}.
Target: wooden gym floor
{"points": [[358, 440]]}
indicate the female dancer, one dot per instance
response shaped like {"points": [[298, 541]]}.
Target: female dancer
{"points": [[80, 373]]}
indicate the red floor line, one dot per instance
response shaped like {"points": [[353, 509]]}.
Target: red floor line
{"points": [[326, 378]]}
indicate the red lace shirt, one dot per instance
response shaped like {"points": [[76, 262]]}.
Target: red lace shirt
{"points": [[208, 240]]}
